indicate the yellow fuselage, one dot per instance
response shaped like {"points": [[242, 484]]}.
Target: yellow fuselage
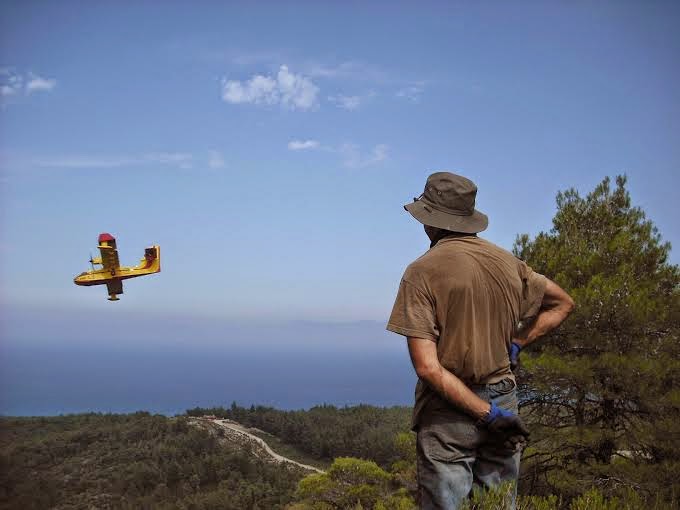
{"points": [[102, 276]]}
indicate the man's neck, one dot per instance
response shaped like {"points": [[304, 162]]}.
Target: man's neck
{"points": [[446, 234]]}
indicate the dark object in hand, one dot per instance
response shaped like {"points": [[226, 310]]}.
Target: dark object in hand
{"points": [[507, 432]]}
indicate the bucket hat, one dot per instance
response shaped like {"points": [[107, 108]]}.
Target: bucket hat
{"points": [[448, 202]]}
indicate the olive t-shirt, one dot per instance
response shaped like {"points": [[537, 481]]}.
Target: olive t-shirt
{"points": [[467, 295]]}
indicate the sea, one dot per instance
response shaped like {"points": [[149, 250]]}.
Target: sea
{"points": [[49, 366]]}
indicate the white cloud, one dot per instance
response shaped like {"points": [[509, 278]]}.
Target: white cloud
{"points": [[180, 159], [259, 89], [351, 154], [7, 90], [172, 159], [350, 70], [300, 145], [13, 83], [347, 102], [296, 90], [351, 103], [412, 92], [378, 154], [215, 160], [353, 157], [86, 162], [37, 83], [292, 91], [323, 71]]}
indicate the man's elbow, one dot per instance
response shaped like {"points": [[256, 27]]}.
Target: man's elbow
{"points": [[557, 299], [564, 308], [428, 370]]}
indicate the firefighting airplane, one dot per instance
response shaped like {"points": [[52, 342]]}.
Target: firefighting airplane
{"points": [[111, 273]]}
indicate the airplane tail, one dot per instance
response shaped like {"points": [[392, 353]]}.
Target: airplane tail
{"points": [[151, 263]]}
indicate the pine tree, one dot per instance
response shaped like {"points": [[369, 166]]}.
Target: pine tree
{"points": [[602, 393]]}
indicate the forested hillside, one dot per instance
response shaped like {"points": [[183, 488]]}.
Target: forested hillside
{"points": [[131, 461], [326, 432]]}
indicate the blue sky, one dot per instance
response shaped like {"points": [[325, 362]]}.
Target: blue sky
{"points": [[268, 147]]}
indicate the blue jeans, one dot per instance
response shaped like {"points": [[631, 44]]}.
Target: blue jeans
{"points": [[454, 453]]}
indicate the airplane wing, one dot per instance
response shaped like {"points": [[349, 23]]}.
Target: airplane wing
{"points": [[114, 287], [109, 258]]}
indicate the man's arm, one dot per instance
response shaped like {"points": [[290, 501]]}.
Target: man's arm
{"points": [[424, 358], [505, 426], [556, 306]]}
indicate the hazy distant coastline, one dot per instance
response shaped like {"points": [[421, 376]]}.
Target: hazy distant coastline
{"points": [[162, 368]]}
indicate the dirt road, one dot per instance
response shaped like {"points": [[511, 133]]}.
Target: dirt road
{"points": [[279, 458]]}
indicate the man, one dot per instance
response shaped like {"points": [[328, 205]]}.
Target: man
{"points": [[459, 305]]}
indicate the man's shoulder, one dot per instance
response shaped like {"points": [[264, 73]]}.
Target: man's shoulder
{"points": [[472, 245], [457, 248], [432, 261], [423, 262], [415, 269], [484, 244], [461, 252]]}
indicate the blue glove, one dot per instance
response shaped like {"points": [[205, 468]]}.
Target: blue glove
{"points": [[496, 413], [507, 430], [514, 356]]}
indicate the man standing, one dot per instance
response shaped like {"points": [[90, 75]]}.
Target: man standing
{"points": [[459, 305]]}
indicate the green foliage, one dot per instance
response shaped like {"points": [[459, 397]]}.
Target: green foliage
{"points": [[594, 499], [326, 432], [405, 445], [352, 483], [499, 498], [600, 394], [629, 500], [538, 503], [131, 461], [404, 470]]}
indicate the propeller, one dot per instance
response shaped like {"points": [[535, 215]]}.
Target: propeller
{"points": [[91, 261]]}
